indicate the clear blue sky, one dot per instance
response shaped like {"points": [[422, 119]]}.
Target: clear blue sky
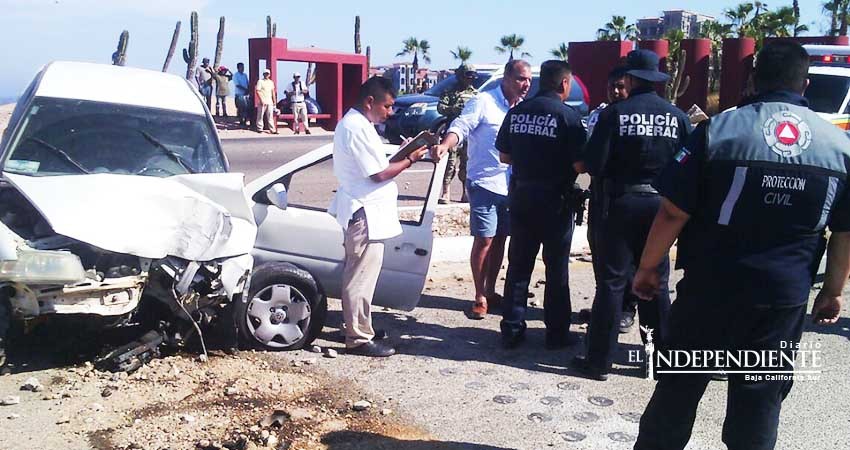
{"points": [[38, 31]]}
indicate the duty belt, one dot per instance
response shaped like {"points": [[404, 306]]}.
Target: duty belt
{"points": [[614, 188]]}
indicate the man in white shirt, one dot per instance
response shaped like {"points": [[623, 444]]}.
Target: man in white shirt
{"points": [[265, 97], [487, 178], [297, 98], [366, 207]]}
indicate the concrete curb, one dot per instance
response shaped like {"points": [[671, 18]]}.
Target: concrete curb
{"points": [[457, 249]]}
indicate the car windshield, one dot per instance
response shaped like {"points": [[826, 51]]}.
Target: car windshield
{"points": [[449, 83], [67, 136], [826, 92]]}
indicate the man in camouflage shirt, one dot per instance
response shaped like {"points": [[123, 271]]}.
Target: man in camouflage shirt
{"points": [[451, 104]]}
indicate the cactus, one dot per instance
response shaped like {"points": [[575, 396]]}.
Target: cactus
{"points": [[357, 47], [190, 54], [271, 28], [119, 58], [219, 43], [368, 58], [173, 46], [679, 82]]}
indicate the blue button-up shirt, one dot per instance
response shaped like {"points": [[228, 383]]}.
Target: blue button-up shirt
{"points": [[240, 80], [479, 124]]}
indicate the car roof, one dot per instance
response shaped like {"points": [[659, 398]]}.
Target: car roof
{"points": [[830, 70], [117, 84], [818, 50]]}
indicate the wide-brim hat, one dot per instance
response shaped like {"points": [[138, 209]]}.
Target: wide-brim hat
{"points": [[643, 64]]}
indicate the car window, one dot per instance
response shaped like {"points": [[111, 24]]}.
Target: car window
{"points": [[449, 83], [826, 92], [313, 187], [69, 137]]}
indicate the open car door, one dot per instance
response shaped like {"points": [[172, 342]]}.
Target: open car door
{"points": [[304, 234]]}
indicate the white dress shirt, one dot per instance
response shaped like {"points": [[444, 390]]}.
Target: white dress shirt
{"points": [[479, 123], [358, 154]]}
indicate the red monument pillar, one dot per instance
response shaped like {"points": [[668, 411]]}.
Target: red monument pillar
{"points": [[592, 61], [736, 66], [696, 67]]}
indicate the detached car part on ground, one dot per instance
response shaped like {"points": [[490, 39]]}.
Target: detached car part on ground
{"points": [[117, 209]]}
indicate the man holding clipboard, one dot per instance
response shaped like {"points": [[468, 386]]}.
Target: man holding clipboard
{"points": [[366, 206]]}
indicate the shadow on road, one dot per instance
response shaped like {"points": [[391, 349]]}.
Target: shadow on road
{"points": [[344, 440], [841, 328], [409, 336]]}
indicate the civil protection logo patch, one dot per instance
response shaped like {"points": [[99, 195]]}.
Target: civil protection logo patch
{"points": [[787, 134]]}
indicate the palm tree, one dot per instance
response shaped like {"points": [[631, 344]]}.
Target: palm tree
{"points": [[462, 53], [416, 47], [560, 52], [831, 8], [511, 43], [777, 23], [715, 32], [617, 30], [739, 16]]}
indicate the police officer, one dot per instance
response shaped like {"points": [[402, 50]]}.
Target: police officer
{"points": [[450, 105], [541, 139], [616, 92], [633, 140], [751, 194]]}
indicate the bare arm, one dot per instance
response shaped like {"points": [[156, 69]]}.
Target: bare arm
{"points": [[665, 229], [398, 167], [440, 149], [827, 307]]}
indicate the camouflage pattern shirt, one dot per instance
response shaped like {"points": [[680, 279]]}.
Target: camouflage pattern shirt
{"points": [[452, 102]]}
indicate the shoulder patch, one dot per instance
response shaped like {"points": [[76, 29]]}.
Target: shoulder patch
{"points": [[682, 156], [787, 134]]}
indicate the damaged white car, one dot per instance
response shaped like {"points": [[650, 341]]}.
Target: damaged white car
{"points": [[117, 209]]}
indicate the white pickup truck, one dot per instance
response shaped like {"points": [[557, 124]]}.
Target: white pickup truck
{"points": [[829, 88]]}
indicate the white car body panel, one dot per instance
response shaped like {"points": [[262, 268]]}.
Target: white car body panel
{"points": [[117, 84], [313, 239], [198, 217]]}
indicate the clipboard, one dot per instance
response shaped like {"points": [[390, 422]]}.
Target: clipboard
{"points": [[425, 138]]}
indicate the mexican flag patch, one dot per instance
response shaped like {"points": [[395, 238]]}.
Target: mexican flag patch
{"points": [[682, 156]]}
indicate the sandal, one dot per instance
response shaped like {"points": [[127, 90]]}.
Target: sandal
{"points": [[478, 311]]}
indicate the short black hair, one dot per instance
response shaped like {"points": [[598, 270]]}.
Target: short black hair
{"points": [[617, 73], [513, 66], [552, 72], [781, 65], [376, 87]]}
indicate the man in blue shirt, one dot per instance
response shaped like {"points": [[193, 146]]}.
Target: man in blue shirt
{"points": [[749, 198], [240, 81]]}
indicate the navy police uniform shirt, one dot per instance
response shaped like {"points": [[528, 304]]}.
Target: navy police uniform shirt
{"points": [[761, 184], [635, 139], [543, 136]]}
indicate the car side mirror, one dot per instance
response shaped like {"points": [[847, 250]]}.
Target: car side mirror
{"points": [[277, 195]]}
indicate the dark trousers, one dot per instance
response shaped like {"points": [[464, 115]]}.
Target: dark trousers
{"points": [[703, 321], [619, 239], [538, 216]]}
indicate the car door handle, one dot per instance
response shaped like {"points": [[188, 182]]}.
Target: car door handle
{"points": [[406, 247], [421, 251]]}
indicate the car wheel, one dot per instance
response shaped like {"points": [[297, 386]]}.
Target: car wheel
{"points": [[284, 309], [5, 323]]}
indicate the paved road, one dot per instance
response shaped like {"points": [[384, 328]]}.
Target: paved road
{"points": [[256, 156]]}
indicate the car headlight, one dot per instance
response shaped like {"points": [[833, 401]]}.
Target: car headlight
{"points": [[43, 267], [418, 109]]}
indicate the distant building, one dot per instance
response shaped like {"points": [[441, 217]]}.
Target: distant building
{"points": [[687, 21], [407, 81]]}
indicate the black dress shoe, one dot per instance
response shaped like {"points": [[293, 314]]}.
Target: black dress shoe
{"points": [[372, 349], [581, 364], [557, 342], [627, 322], [381, 334]]}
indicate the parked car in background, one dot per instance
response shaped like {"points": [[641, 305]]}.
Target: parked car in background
{"points": [[417, 112], [829, 83]]}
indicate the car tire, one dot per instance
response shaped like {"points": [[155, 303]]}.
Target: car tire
{"points": [[284, 309], [5, 324]]}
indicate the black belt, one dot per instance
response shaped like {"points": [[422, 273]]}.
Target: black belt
{"points": [[614, 188]]}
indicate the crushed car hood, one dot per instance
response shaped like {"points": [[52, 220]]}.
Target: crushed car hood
{"points": [[198, 217]]}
